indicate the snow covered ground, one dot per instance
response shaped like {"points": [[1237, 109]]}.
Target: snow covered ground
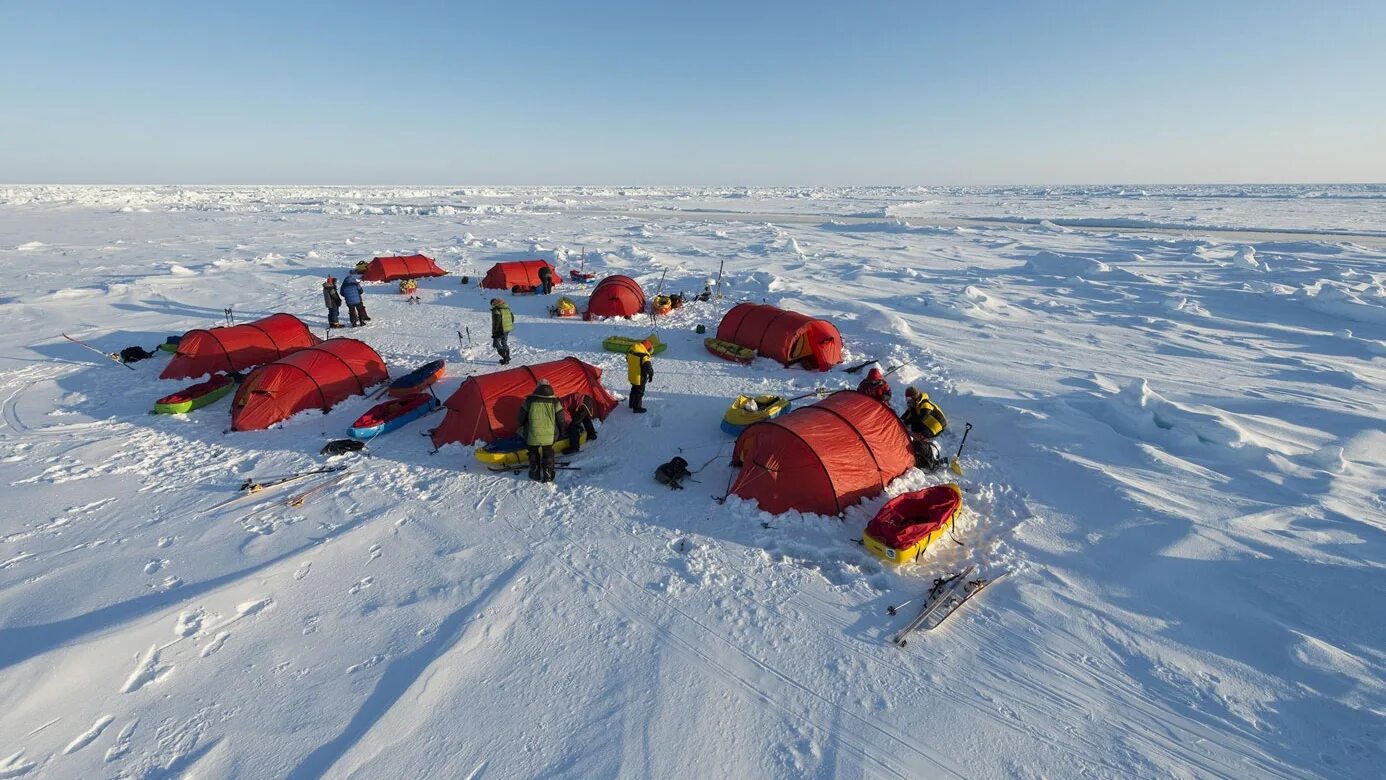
{"points": [[1178, 455]]}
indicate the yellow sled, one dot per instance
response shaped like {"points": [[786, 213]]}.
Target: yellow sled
{"points": [[511, 451], [767, 407]]}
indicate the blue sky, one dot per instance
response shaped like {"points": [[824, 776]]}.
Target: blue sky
{"points": [[712, 92]]}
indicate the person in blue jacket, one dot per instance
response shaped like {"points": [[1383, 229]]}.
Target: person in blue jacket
{"points": [[353, 294]]}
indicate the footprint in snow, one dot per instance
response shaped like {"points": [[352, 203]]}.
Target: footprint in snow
{"points": [[122, 742], [89, 736], [147, 671], [302, 571], [362, 585], [188, 623], [216, 644], [374, 552]]}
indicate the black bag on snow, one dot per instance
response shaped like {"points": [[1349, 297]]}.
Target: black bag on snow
{"points": [[673, 473]]}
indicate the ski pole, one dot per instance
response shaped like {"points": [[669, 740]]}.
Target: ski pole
{"points": [[106, 355], [897, 368], [956, 467]]}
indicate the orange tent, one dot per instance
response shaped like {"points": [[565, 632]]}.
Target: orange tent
{"points": [[786, 336], [822, 458], [524, 273], [487, 407], [317, 377], [237, 347], [388, 269], [615, 296]]}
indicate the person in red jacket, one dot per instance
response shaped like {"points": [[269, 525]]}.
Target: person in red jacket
{"points": [[876, 386], [581, 410]]}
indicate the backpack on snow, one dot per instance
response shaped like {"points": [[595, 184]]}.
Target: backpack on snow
{"points": [[673, 473], [135, 354], [926, 454]]}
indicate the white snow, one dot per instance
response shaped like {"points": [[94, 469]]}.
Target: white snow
{"points": [[1178, 457]]}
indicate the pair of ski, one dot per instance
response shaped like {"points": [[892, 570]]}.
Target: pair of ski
{"points": [[942, 600], [254, 485], [560, 465]]}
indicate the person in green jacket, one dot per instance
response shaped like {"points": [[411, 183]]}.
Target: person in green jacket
{"points": [[541, 418], [502, 322]]}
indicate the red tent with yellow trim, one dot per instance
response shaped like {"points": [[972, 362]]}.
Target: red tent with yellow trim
{"points": [[487, 407], [786, 336], [317, 377], [388, 269], [525, 273], [822, 458], [237, 347]]}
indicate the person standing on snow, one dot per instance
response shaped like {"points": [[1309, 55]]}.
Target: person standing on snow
{"points": [[354, 296], [581, 409], [541, 417], [502, 322], [876, 386], [640, 371], [333, 299], [545, 279]]}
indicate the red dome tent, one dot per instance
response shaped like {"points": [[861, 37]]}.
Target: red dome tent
{"points": [[237, 347], [524, 273], [822, 458], [786, 336], [316, 377], [615, 296], [388, 269], [486, 407]]}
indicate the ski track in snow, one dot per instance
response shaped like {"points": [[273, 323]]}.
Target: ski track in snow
{"points": [[1177, 454]]}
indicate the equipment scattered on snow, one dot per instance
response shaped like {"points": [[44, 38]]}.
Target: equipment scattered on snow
{"points": [[943, 599], [729, 351], [107, 355], [170, 344], [511, 451], [910, 522], [858, 367], [196, 396], [956, 466], [748, 409], [341, 447], [419, 379], [673, 473], [391, 415], [135, 354], [623, 344], [563, 307]]}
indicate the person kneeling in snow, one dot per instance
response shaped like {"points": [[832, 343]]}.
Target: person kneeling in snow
{"points": [[922, 416], [876, 386], [581, 409], [541, 417]]}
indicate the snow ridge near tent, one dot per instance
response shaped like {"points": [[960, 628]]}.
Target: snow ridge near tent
{"points": [[1177, 457]]}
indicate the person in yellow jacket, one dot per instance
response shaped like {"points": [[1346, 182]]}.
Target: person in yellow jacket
{"points": [[639, 370], [921, 415]]}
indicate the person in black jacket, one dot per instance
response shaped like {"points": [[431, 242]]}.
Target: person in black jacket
{"points": [[545, 279]]}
